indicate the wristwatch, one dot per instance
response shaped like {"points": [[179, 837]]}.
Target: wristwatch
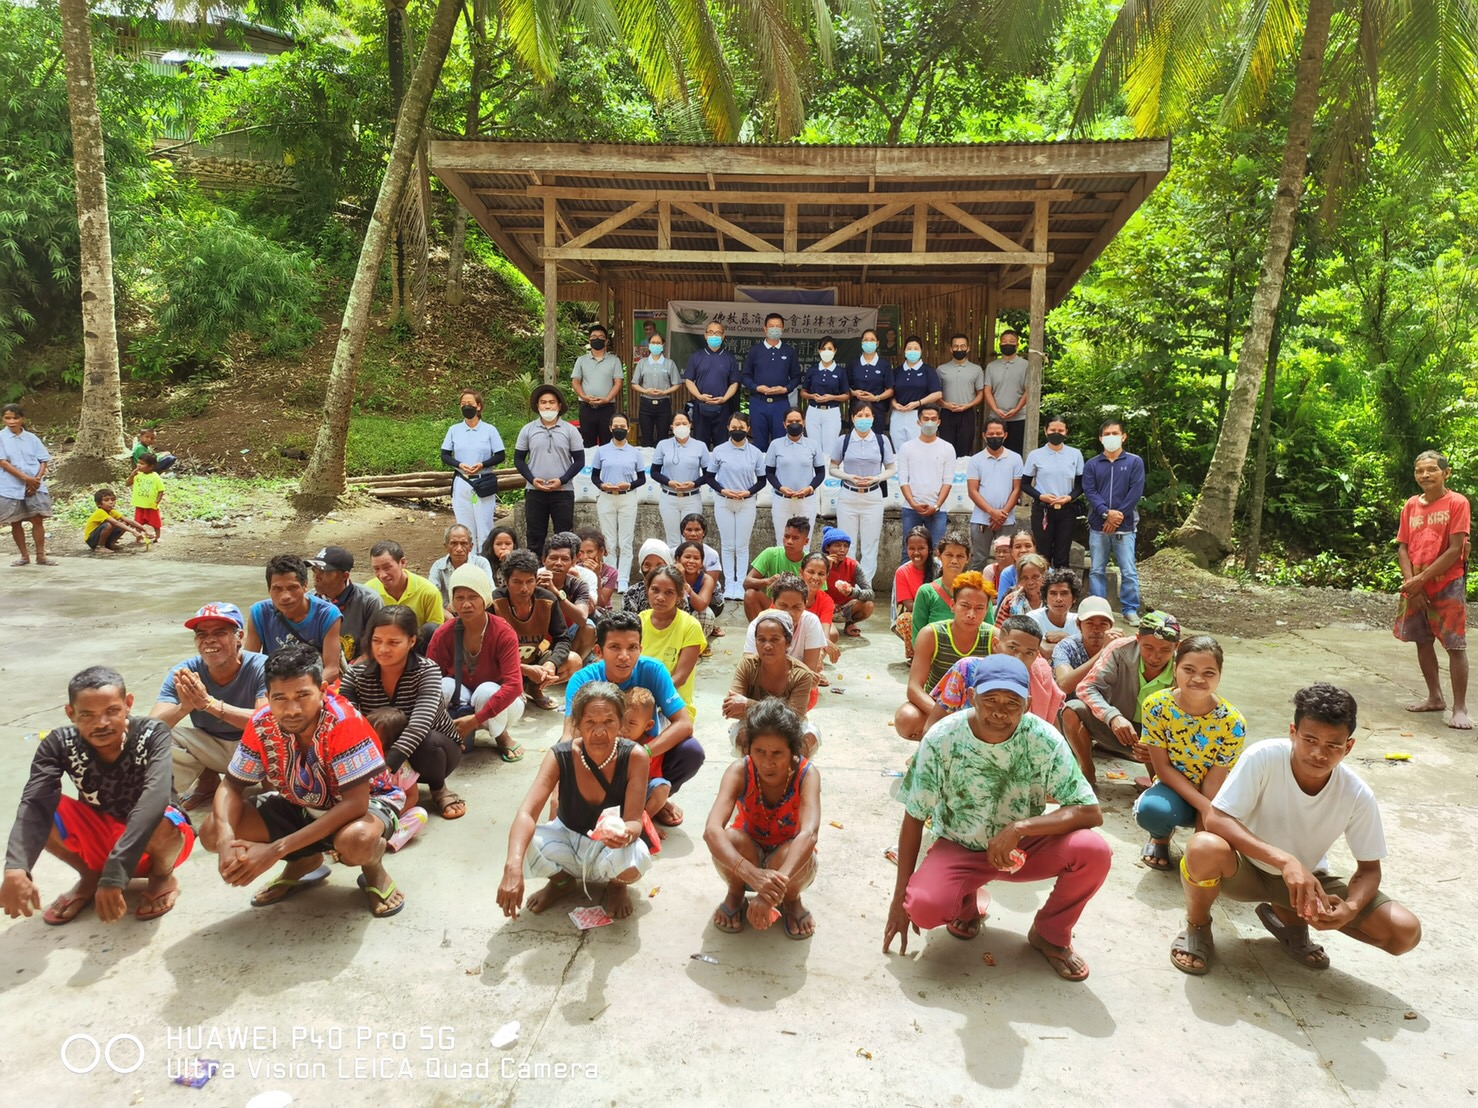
{"points": [[562, 595]]}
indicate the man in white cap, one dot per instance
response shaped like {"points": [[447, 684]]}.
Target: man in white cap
{"points": [[1074, 655], [219, 689], [356, 603]]}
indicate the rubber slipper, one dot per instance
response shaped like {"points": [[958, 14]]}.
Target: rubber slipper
{"points": [[1294, 939], [1196, 942], [293, 885], [48, 562], [382, 896], [447, 800], [795, 931], [1156, 856], [734, 916], [514, 755], [673, 813], [852, 631], [55, 915], [1058, 962], [21, 562], [147, 902]]}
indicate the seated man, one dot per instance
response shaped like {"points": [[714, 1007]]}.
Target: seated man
{"points": [[1106, 710], [219, 688], [1019, 637], [675, 755], [1055, 617], [1267, 835], [397, 585], [854, 599], [535, 615], [291, 614], [457, 541], [769, 564], [983, 776], [356, 603], [329, 789], [1073, 657], [124, 824], [576, 598], [939, 646]]}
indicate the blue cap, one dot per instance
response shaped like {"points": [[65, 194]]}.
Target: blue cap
{"points": [[1000, 671]]}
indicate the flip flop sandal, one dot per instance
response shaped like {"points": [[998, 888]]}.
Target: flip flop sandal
{"points": [[674, 815], [734, 916], [1195, 942], [48, 562], [147, 901], [795, 932], [447, 800], [1156, 856], [55, 915], [965, 929], [382, 896], [21, 562], [1294, 939], [543, 701], [852, 631], [514, 755], [1058, 962], [292, 885]]}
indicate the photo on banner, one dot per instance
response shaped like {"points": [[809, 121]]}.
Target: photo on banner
{"points": [[645, 322], [744, 324], [888, 327]]}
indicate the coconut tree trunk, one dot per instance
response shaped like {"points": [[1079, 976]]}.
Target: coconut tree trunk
{"points": [[100, 431], [1252, 548], [324, 479], [1207, 533], [454, 293]]}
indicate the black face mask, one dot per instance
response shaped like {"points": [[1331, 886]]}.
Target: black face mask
{"points": [[795, 430], [597, 344], [1056, 438], [960, 355], [619, 433], [469, 410], [1007, 349], [995, 442], [738, 436]]}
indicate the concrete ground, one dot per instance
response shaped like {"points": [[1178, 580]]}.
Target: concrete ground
{"points": [[315, 999]]}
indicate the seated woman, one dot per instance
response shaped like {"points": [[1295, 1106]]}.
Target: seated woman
{"points": [[653, 553], [1030, 592], [774, 793], [671, 635], [501, 542], [1195, 738], [936, 600], [911, 576], [939, 646], [820, 604], [592, 557], [788, 594], [700, 589], [394, 676], [482, 671], [1000, 552], [772, 672], [595, 770]]}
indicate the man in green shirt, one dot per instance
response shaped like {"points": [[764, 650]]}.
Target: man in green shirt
{"points": [[394, 584], [983, 776], [774, 561]]}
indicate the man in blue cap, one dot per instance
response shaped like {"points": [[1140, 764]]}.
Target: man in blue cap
{"points": [[983, 775]]}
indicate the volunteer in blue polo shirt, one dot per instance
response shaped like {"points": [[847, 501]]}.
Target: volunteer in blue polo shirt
{"points": [[825, 388], [471, 448], [914, 383], [795, 466], [863, 461], [736, 472], [679, 466], [712, 375], [871, 378], [1053, 478], [772, 371]]}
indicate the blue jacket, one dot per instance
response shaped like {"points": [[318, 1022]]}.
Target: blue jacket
{"points": [[1113, 486]]}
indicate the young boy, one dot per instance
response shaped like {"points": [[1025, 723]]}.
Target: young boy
{"points": [[148, 492], [1433, 552], [23, 494], [145, 445], [105, 527], [854, 602], [638, 725]]}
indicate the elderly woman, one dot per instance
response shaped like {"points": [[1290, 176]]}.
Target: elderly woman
{"points": [[774, 793], [654, 553], [770, 670], [788, 594], [458, 542], [482, 676], [590, 773], [1030, 592]]}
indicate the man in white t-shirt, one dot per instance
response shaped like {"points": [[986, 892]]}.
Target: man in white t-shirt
{"points": [[1267, 834]]}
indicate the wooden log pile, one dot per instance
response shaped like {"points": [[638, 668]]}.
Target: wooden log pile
{"points": [[426, 485]]}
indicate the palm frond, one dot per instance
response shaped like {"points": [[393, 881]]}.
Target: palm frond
{"points": [[1180, 65], [1105, 79], [1343, 142], [533, 27], [705, 67], [773, 29], [825, 36], [1271, 32], [646, 26], [1428, 68]]}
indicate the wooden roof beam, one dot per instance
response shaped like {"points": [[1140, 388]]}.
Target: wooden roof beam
{"points": [[719, 223], [774, 257], [606, 226], [976, 195]]}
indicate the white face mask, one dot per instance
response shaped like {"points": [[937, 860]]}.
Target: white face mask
{"points": [[548, 417], [1112, 442], [681, 433], [828, 355]]}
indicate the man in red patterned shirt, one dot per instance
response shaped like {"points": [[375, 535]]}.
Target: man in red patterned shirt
{"points": [[333, 790]]}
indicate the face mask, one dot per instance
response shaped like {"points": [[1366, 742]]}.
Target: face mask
{"points": [[619, 433], [597, 344], [469, 410], [869, 347], [828, 356], [1007, 349], [655, 348], [1112, 442], [1056, 438], [913, 355], [715, 341], [795, 430], [681, 433], [995, 442], [928, 428], [548, 417], [738, 436], [774, 333], [960, 355], [863, 424]]}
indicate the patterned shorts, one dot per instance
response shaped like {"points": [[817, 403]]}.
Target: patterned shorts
{"points": [[1444, 620]]}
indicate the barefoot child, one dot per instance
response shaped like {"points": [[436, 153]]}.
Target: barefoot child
{"points": [[23, 494], [1433, 552], [148, 493], [106, 526]]}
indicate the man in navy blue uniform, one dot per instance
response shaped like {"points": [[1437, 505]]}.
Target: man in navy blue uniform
{"points": [[772, 371], [712, 375]]}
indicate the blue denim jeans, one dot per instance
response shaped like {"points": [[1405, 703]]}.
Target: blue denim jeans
{"points": [[937, 524], [1121, 545], [1160, 810]]}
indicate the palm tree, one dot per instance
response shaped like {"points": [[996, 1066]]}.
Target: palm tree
{"points": [[1419, 56]]}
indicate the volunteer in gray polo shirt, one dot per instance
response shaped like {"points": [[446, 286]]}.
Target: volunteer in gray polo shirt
{"points": [[356, 604], [655, 379], [993, 483], [1054, 480], [597, 380], [219, 689], [795, 466], [962, 385], [549, 453], [1005, 390]]}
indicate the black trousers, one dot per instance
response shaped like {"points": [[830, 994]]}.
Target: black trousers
{"points": [[958, 429], [544, 508], [1016, 436], [435, 759], [595, 423], [655, 420], [711, 428], [1052, 531]]}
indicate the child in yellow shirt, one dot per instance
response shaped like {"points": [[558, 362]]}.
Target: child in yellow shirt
{"points": [[148, 493], [106, 527]]}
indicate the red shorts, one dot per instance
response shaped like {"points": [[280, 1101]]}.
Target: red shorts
{"points": [[92, 835], [149, 517], [1443, 620]]}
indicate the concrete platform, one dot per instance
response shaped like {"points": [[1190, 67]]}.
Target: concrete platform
{"points": [[314, 998]]}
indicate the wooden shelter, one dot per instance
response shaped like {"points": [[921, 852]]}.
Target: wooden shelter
{"points": [[950, 234]]}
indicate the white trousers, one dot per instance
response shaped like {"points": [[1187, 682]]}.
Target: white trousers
{"points": [[556, 849], [824, 425], [860, 514], [473, 512], [672, 509], [782, 509], [617, 514], [735, 520], [903, 427], [479, 698]]}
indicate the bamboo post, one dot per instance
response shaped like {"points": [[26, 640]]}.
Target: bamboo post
{"points": [[1038, 325]]}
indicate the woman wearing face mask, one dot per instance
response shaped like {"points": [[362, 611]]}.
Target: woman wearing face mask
{"points": [[825, 389], [871, 378], [678, 466], [655, 379], [862, 460], [472, 448], [548, 453], [795, 466], [1053, 478], [618, 471], [914, 383], [736, 473]]}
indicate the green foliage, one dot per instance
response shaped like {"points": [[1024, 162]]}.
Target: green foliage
{"points": [[394, 444], [189, 499]]}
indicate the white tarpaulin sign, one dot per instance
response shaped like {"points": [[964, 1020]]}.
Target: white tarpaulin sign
{"points": [[744, 323]]}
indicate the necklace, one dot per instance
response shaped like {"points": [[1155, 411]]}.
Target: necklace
{"points": [[615, 746]]}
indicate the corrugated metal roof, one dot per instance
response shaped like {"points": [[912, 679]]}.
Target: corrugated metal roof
{"points": [[216, 59]]}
